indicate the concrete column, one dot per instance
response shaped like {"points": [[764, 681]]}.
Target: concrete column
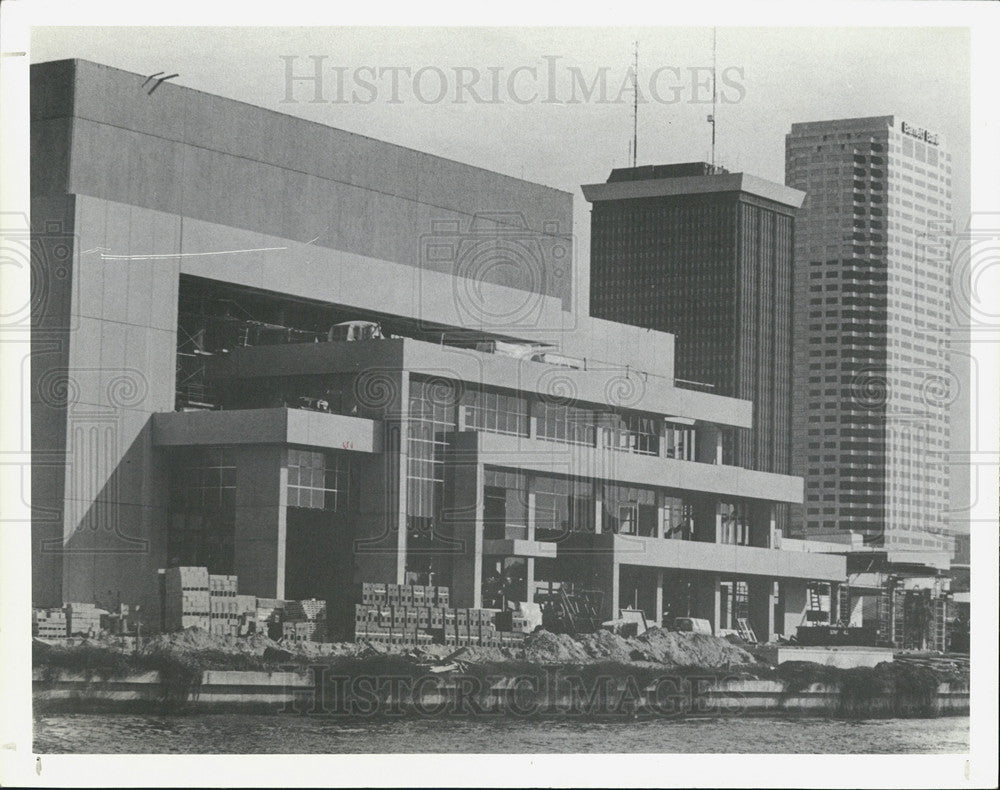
{"points": [[761, 592], [708, 599], [532, 418], [530, 483], [598, 508], [659, 598], [834, 603], [464, 480], [400, 473], [612, 602], [260, 535], [529, 575]]}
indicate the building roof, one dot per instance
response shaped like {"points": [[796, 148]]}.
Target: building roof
{"points": [[618, 188]]}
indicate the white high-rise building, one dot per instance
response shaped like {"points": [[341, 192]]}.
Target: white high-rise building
{"points": [[871, 378]]}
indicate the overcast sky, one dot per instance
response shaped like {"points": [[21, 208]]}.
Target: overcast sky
{"points": [[528, 124], [524, 109]]}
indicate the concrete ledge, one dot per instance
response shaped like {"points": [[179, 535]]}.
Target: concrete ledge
{"points": [[266, 426], [723, 558], [843, 657], [296, 692]]}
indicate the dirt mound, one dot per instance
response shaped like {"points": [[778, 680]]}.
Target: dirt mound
{"points": [[606, 646], [656, 645], [196, 639], [547, 648], [680, 648]]}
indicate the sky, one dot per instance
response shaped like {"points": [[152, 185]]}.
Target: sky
{"points": [[528, 102], [769, 78]]}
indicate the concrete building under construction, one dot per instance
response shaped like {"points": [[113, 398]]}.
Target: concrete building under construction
{"points": [[310, 359]]}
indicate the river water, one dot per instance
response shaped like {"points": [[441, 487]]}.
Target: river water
{"points": [[299, 734]]}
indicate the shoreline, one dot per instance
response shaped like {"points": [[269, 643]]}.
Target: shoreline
{"points": [[663, 674], [567, 691]]}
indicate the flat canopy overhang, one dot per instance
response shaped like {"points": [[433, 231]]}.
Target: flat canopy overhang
{"points": [[602, 463], [266, 426], [724, 558]]}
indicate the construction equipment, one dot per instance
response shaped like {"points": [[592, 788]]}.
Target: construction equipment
{"points": [[566, 609], [745, 631]]}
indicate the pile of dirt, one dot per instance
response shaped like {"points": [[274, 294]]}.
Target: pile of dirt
{"points": [[684, 649], [606, 646], [657, 646], [193, 640], [544, 647]]}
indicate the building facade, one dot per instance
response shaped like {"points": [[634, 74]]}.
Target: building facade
{"points": [[705, 255], [409, 400], [871, 329]]}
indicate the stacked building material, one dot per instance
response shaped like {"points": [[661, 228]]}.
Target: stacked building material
{"points": [[511, 628], [186, 598], [309, 609], [83, 619], [224, 617], [269, 610], [303, 631], [49, 623], [304, 621], [409, 614]]}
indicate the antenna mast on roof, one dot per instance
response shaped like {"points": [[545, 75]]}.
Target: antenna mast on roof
{"points": [[711, 118], [635, 105]]}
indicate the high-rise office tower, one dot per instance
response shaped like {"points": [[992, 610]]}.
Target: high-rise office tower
{"points": [[870, 421], [705, 255]]}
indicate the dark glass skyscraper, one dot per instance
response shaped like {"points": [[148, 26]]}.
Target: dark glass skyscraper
{"points": [[705, 255]]}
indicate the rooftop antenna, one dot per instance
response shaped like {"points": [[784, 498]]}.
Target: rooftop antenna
{"points": [[635, 105], [711, 118]]}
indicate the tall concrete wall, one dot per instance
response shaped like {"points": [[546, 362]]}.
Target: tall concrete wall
{"points": [[125, 175], [185, 152]]}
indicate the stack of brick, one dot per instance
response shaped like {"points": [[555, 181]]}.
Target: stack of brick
{"points": [[305, 621], [224, 617], [49, 623], [83, 619], [269, 610], [186, 600], [303, 631], [309, 609], [511, 628], [409, 614], [471, 627]]}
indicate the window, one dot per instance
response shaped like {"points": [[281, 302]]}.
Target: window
{"points": [[562, 423], [632, 433], [735, 523], [679, 442], [678, 519], [505, 505], [629, 510], [203, 509], [495, 411], [432, 414], [317, 480], [563, 505]]}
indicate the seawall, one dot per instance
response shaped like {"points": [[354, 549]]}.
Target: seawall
{"points": [[548, 691]]}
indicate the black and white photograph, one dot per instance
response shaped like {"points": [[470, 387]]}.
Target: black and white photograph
{"points": [[523, 398]]}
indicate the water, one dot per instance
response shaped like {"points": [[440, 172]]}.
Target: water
{"points": [[293, 734]]}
